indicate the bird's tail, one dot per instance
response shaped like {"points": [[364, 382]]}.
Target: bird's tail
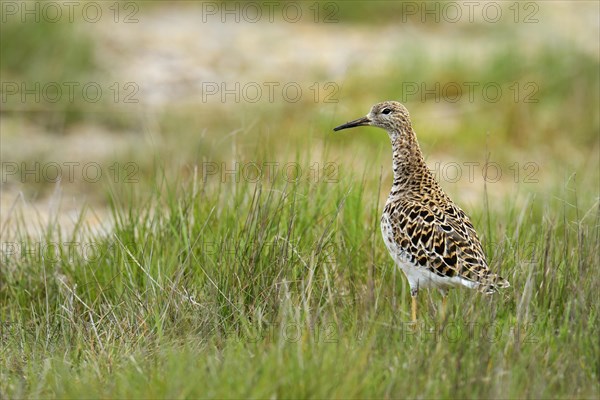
{"points": [[492, 283]]}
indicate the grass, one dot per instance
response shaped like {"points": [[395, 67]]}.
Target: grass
{"points": [[40, 57], [216, 287], [211, 289]]}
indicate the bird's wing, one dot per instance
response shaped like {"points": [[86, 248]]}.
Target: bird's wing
{"points": [[443, 240]]}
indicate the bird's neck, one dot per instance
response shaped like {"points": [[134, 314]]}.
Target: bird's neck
{"points": [[410, 169]]}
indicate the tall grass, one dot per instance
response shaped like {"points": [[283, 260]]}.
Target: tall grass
{"points": [[277, 288]]}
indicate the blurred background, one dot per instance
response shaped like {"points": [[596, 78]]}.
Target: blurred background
{"points": [[101, 97]]}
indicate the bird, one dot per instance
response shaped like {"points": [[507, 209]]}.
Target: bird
{"points": [[429, 237]]}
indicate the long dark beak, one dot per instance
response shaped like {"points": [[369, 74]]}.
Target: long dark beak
{"points": [[357, 122]]}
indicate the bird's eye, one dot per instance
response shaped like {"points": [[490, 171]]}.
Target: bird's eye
{"points": [[386, 111]]}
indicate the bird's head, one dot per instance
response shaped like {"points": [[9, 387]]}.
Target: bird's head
{"points": [[389, 115]]}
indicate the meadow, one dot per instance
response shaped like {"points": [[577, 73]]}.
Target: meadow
{"points": [[234, 249]]}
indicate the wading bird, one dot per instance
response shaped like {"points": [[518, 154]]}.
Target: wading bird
{"points": [[429, 237]]}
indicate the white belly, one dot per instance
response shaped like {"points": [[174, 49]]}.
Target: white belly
{"points": [[419, 277]]}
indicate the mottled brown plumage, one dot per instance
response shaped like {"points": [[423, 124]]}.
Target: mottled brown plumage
{"points": [[430, 238]]}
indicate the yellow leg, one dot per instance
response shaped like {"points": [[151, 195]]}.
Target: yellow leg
{"points": [[413, 295]]}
